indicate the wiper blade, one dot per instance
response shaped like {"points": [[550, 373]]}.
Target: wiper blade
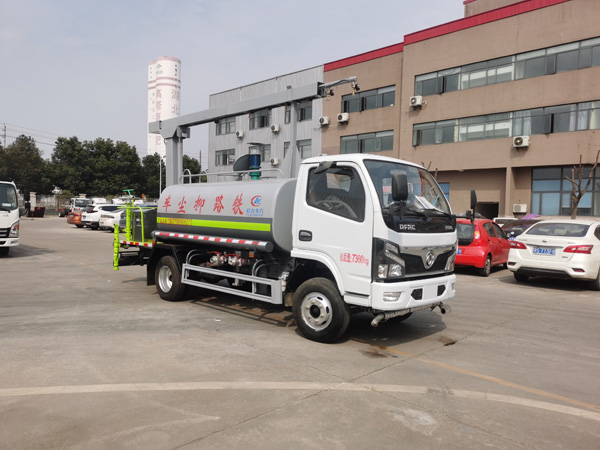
{"points": [[417, 211], [439, 211]]}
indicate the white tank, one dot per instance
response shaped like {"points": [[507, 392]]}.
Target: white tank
{"points": [[255, 210]]}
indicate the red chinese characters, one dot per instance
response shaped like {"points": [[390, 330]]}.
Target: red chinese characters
{"points": [[167, 203], [218, 204], [237, 205], [181, 206], [199, 204]]}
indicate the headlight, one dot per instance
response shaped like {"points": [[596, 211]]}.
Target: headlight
{"points": [[14, 230], [450, 263], [387, 260]]}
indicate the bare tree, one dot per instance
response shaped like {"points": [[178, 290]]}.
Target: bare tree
{"points": [[435, 173], [578, 190]]}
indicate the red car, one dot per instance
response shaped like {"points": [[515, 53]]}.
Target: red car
{"points": [[481, 244]]}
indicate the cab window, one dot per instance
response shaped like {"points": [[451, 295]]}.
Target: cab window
{"points": [[337, 190]]}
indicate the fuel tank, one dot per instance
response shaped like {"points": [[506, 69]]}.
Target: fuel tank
{"points": [[255, 210]]}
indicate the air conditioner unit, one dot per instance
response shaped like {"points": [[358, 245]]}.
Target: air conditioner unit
{"points": [[274, 162], [520, 141], [324, 121], [520, 208], [415, 101], [275, 128], [239, 134], [343, 117]]}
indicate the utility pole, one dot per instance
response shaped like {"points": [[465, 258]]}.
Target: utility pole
{"points": [[4, 135]]}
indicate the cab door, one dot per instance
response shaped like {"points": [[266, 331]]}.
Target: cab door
{"points": [[334, 224]]}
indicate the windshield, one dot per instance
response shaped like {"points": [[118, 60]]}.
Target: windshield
{"points": [[8, 197], [424, 194]]}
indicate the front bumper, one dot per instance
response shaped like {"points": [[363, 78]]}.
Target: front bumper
{"points": [[412, 294]]}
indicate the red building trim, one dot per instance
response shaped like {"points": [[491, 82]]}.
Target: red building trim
{"points": [[479, 19], [447, 28], [374, 54]]}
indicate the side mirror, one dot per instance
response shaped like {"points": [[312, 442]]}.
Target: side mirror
{"points": [[399, 187], [473, 204], [473, 199]]}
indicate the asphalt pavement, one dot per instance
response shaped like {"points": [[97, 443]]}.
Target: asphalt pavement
{"points": [[92, 358]]}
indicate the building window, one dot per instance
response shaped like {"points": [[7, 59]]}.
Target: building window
{"points": [[225, 157], [260, 119], [445, 189], [304, 148], [551, 192], [537, 63], [303, 111], [363, 101], [552, 119], [381, 141], [226, 126]]}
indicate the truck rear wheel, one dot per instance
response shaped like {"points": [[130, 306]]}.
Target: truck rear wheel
{"points": [[319, 310], [168, 279]]}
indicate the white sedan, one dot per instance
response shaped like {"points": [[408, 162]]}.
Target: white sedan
{"points": [[567, 249], [108, 220]]}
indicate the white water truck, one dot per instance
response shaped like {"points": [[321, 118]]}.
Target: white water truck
{"points": [[352, 233]]}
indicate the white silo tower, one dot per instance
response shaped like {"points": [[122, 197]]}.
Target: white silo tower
{"points": [[164, 89]]}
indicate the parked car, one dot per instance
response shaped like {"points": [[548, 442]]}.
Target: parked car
{"points": [[517, 226], [74, 218], [64, 210], [481, 244], [108, 219], [564, 249], [91, 217]]}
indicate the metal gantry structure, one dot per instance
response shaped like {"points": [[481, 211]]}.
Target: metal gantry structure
{"points": [[175, 130]]}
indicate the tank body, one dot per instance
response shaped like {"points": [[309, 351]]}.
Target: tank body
{"points": [[254, 210]]}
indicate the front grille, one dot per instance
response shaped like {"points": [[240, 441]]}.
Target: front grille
{"points": [[4, 232], [415, 266]]}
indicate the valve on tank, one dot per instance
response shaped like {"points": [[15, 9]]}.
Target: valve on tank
{"points": [[217, 259]]}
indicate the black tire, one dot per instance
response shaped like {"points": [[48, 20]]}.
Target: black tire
{"points": [[520, 277], [94, 227], [168, 279], [487, 267], [4, 251], [594, 285], [319, 310], [78, 225]]}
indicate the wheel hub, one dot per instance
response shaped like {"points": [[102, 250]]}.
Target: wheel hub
{"points": [[165, 279], [316, 311]]}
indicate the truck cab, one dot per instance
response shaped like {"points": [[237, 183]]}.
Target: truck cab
{"points": [[9, 217], [381, 227]]}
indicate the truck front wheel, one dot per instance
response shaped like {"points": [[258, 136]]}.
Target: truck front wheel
{"points": [[319, 310], [168, 279]]}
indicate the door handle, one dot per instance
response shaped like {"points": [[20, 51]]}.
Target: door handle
{"points": [[305, 235]]}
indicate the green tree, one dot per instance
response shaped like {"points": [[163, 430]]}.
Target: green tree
{"points": [[71, 166], [116, 166], [151, 175], [22, 162]]}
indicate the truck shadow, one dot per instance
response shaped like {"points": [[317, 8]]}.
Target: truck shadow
{"points": [[392, 332], [27, 251]]}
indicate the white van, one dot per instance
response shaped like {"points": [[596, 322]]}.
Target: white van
{"points": [[9, 217]]}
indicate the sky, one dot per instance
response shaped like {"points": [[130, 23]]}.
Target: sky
{"points": [[79, 67]]}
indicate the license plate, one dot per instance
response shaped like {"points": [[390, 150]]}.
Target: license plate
{"points": [[544, 251], [459, 252]]}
